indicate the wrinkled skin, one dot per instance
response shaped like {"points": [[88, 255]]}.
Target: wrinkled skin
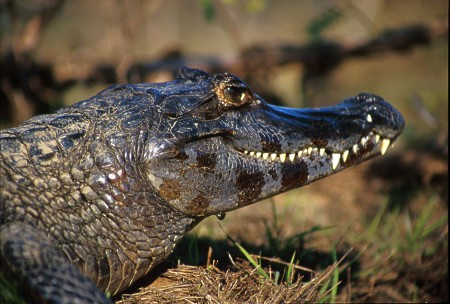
{"points": [[102, 191]]}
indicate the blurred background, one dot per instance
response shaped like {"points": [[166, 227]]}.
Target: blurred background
{"points": [[392, 211]]}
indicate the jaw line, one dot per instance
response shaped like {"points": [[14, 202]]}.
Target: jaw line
{"points": [[366, 147]]}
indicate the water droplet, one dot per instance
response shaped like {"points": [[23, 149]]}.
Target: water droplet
{"points": [[221, 215]]}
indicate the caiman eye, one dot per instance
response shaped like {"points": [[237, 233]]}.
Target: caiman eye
{"points": [[236, 95]]}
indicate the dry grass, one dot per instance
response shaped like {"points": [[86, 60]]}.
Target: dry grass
{"points": [[239, 284]]}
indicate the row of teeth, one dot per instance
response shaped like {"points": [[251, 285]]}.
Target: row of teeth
{"points": [[335, 157]]}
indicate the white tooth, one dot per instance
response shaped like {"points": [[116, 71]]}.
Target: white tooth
{"points": [[292, 157], [283, 157], [345, 155], [258, 154], [369, 118], [315, 150], [377, 138], [300, 153], [273, 156], [393, 144], [355, 148], [321, 151], [265, 155], [384, 145], [246, 152], [305, 151], [335, 160], [363, 140], [252, 153], [310, 150]]}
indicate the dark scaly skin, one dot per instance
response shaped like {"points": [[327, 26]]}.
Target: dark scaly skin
{"points": [[110, 185]]}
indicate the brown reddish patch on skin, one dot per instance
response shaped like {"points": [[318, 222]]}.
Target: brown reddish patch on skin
{"points": [[124, 187], [249, 186], [113, 178], [269, 146], [198, 205], [117, 195], [321, 143], [294, 175], [120, 181], [207, 161], [170, 189], [273, 174], [181, 155]]}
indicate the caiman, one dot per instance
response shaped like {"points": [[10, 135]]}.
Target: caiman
{"points": [[97, 194]]}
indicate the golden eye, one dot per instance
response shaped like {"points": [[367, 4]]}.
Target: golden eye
{"points": [[236, 95]]}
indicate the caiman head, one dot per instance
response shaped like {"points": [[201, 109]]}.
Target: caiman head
{"points": [[221, 146]]}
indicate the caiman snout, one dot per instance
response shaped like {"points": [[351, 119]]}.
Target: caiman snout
{"points": [[333, 129], [383, 115]]}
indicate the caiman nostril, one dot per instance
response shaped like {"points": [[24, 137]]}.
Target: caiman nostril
{"points": [[367, 97]]}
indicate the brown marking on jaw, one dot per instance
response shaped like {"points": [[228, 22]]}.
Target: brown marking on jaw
{"points": [[170, 189], [294, 175], [198, 205], [321, 143], [269, 146], [273, 174], [249, 186], [207, 161]]}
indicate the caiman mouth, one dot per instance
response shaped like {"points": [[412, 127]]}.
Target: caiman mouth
{"points": [[336, 137], [368, 145]]}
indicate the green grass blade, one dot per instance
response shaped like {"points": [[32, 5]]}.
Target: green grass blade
{"points": [[322, 292], [373, 227], [208, 10], [329, 295], [253, 262], [434, 226], [423, 219], [290, 271], [193, 251], [335, 278]]}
